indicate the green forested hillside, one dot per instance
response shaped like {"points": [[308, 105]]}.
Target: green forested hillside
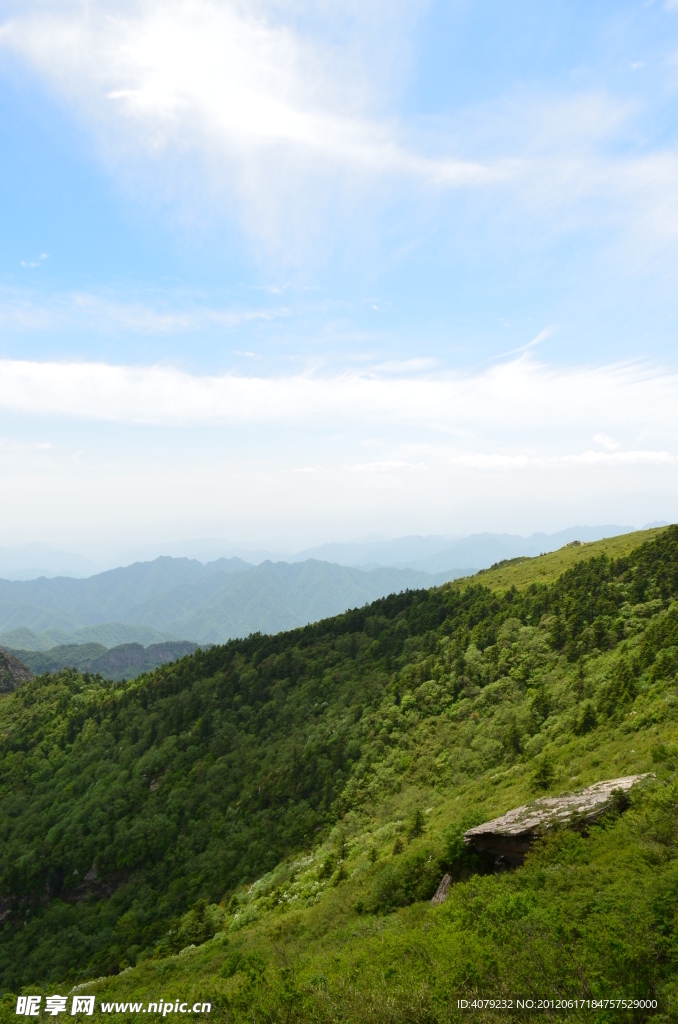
{"points": [[264, 823], [122, 662]]}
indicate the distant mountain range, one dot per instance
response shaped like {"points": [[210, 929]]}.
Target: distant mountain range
{"points": [[182, 599], [440, 554], [28, 561], [171, 599], [426, 554]]}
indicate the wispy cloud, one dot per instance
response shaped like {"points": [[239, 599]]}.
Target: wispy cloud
{"points": [[224, 77], [21, 309], [405, 366], [494, 464], [35, 263], [288, 120], [542, 336], [24, 446]]}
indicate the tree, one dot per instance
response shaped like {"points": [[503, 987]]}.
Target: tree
{"points": [[544, 775], [417, 826]]}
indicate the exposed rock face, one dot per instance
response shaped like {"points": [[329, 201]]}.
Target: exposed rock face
{"points": [[5, 907], [509, 838], [91, 888], [441, 891], [12, 672]]}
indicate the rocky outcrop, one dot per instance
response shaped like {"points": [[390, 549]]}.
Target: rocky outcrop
{"points": [[441, 892], [509, 838], [12, 672], [93, 888]]}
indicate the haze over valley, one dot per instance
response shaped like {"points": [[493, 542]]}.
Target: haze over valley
{"points": [[171, 599]]}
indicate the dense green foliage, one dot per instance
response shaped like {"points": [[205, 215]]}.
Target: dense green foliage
{"points": [[362, 746]]}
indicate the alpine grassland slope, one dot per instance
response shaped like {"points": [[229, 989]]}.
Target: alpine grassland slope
{"points": [[262, 825]]}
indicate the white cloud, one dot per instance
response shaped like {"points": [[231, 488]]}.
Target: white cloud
{"points": [[606, 442], [199, 101], [551, 409], [221, 77], [519, 446], [416, 363]]}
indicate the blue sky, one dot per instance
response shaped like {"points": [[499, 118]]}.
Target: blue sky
{"points": [[286, 272]]}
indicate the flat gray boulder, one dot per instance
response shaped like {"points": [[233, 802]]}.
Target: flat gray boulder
{"points": [[509, 838]]}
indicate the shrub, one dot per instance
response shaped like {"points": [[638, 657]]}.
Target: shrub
{"points": [[398, 883], [461, 859], [201, 923]]}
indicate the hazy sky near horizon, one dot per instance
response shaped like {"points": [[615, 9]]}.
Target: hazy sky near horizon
{"points": [[287, 271]]}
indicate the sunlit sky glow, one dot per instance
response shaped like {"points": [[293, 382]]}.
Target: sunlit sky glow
{"points": [[287, 272]]}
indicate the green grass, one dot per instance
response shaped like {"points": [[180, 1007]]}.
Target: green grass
{"points": [[586, 916], [308, 823], [522, 572]]}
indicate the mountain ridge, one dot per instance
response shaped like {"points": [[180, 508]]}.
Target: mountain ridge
{"points": [[124, 661], [182, 599]]}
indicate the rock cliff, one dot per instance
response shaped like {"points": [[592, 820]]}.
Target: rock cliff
{"points": [[12, 672]]}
